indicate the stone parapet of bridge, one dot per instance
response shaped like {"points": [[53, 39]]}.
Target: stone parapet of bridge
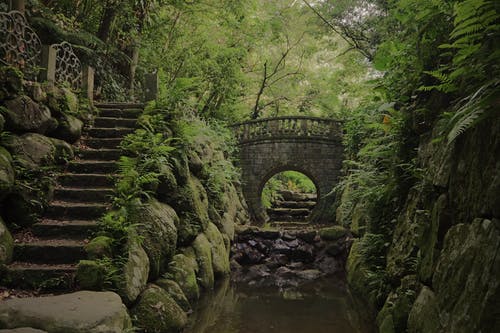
{"points": [[310, 145]]}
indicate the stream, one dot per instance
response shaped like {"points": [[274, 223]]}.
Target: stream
{"points": [[323, 306]]}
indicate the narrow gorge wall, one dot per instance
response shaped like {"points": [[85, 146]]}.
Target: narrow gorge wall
{"points": [[443, 264]]}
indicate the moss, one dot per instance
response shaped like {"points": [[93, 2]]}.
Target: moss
{"points": [[220, 256], [173, 289], [11, 82], [6, 173], [202, 248], [357, 272], [424, 314], [90, 275], [182, 270], [333, 233], [156, 311], [157, 226], [99, 247], [6, 244]]}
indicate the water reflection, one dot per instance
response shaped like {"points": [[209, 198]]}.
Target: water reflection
{"points": [[322, 307]]}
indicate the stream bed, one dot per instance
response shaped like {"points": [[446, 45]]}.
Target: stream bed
{"points": [[323, 306]]}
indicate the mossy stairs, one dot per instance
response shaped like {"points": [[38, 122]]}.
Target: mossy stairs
{"points": [[46, 256]]}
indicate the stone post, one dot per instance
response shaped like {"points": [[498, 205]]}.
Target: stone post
{"points": [[151, 87], [48, 72], [19, 5], [88, 83]]}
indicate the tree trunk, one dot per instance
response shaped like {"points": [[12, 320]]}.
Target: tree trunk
{"points": [[107, 21], [133, 68]]}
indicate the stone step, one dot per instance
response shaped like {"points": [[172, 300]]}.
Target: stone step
{"points": [[39, 277], [103, 143], [295, 204], [111, 122], [117, 132], [92, 166], [132, 113], [61, 210], [86, 194], [119, 105], [53, 251], [85, 180], [100, 154], [75, 229], [288, 211]]}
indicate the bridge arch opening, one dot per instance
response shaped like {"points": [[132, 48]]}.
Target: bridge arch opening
{"points": [[288, 195]]}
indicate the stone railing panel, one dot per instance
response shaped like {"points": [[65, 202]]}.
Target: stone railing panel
{"points": [[19, 44], [288, 127], [68, 67]]}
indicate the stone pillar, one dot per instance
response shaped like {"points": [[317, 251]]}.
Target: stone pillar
{"points": [[18, 5], [48, 72], [88, 83], [151, 87]]}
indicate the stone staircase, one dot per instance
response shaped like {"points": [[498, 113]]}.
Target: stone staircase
{"points": [[295, 207], [46, 256]]}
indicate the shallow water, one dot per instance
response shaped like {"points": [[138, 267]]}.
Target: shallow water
{"points": [[322, 307]]}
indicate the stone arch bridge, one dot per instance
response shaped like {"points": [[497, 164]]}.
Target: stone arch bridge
{"points": [[310, 145]]}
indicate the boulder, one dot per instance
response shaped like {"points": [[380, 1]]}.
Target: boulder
{"points": [[11, 82], [64, 151], [135, 272], [62, 101], [99, 247], [333, 233], [31, 150], [25, 207], [424, 314], [157, 311], [182, 269], [23, 330], [220, 255], [24, 115], [69, 129], [191, 201], [203, 250], [80, 312], [7, 175], [6, 244], [466, 279], [157, 226], [357, 272], [173, 289], [90, 275]]}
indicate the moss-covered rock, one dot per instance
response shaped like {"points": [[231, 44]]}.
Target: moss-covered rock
{"points": [[22, 115], [25, 207], [182, 269], [173, 289], [11, 82], [135, 272], [2, 123], [69, 129], [467, 277], [7, 175], [62, 101], [157, 311], [398, 304], [90, 275], [63, 151], [424, 314], [203, 250], [333, 233], [357, 271], [220, 255], [191, 202], [99, 247], [6, 244], [31, 150], [157, 225]]}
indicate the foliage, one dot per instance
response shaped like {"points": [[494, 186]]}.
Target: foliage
{"points": [[287, 180]]}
